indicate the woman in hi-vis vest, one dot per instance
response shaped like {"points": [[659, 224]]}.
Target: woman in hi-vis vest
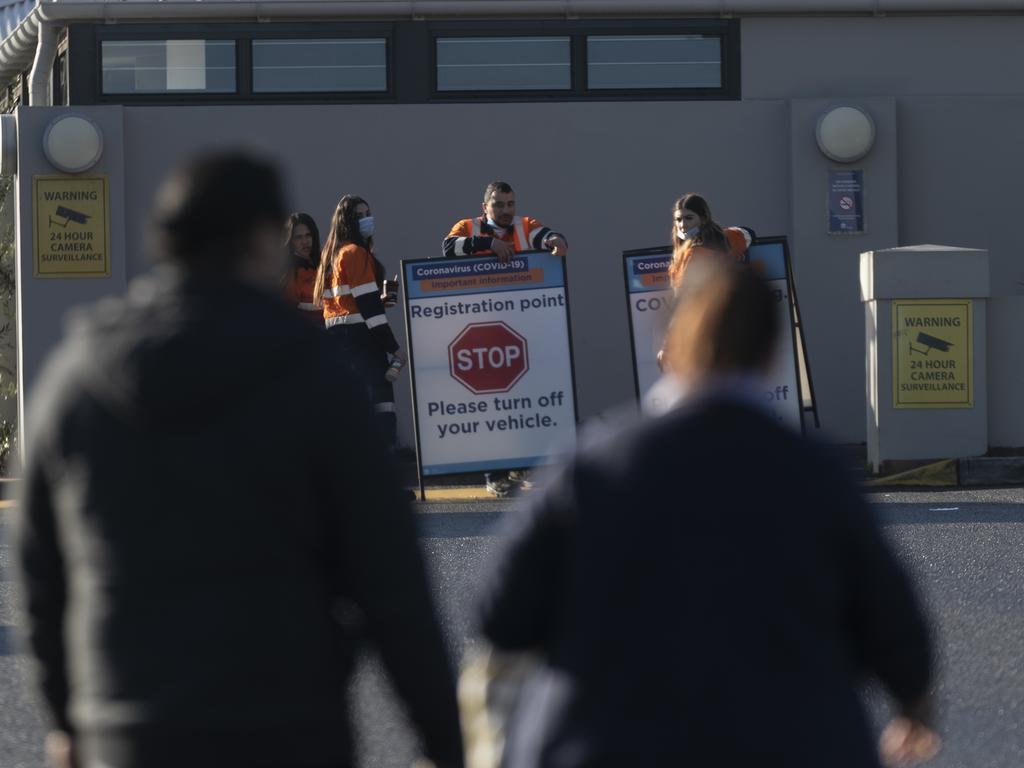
{"points": [[696, 235], [302, 241], [347, 288]]}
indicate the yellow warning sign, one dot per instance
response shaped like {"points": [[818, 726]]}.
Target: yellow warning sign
{"points": [[933, 357], [71, 226]]}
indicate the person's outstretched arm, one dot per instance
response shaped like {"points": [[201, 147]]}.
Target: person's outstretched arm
{"points": [[43, 585], [382, 570], [889, 629], [546, 239], [461, 242], [362, 273]]}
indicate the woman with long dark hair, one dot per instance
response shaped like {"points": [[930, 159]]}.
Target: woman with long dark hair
{"points": [[348, 290], [696, 235], [302, 242]]}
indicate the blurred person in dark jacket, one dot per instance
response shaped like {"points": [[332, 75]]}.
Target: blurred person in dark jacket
{"points": [[186, 548], [709, 588]]}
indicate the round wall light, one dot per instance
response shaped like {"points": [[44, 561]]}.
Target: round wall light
{"points": [[73, 143], [846, 134]]}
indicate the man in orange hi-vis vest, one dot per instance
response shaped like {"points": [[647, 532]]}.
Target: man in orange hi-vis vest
{"points": [[501, 233]]}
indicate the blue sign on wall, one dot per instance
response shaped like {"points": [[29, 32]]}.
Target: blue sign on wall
{"points": [[845, 202]]}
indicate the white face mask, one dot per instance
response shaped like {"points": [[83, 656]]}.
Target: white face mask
{"points": [[687, 234], [366, 226]]}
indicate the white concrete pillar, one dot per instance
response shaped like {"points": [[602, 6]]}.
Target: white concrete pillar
{"points": [[925, 311]]}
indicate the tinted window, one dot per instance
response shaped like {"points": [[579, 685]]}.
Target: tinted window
{"points": [[168, 66], [503, 64], [296, 66], [654, 61]]}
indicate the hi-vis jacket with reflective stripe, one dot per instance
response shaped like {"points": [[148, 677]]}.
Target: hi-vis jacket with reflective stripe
{"points": [[472, 237], [352, 296], [299, 291], [737, 240]]}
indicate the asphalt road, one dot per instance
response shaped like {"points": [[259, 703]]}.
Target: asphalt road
{"points": [[966, 549]]}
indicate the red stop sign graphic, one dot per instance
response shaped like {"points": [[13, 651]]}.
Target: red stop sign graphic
{"points": [[488, 357]]}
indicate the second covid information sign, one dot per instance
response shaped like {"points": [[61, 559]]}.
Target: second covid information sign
{"points": [[649, 292], [491, 361]]}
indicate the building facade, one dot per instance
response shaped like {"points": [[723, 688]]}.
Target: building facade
{"points": [[599, 113]]}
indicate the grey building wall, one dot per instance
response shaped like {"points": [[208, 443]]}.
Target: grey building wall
{"points": [[821, 57], [826, 267], [959, 104], [961, 161], [944, 91], [606, 174], [44, 304]]}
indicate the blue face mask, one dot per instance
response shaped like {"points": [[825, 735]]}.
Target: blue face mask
{"points": [[366, 226]]}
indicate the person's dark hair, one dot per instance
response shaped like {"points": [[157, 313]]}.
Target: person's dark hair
{"points": [[208, 209], [344, 230], [711, 234], [289, 231], [726, 321], [497, 186]]}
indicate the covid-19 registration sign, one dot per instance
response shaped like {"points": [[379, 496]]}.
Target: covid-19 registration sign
{"points": [[491, 361], [650, 300]]}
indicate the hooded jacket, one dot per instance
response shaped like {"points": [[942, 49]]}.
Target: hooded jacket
{"points": [[185, 544]]}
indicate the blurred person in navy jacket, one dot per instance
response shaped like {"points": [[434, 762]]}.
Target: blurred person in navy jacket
{"points": [[709, 588]]}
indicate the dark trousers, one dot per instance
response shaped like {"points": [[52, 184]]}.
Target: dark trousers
{"points": [[368, 364]]}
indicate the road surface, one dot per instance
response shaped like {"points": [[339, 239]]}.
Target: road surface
{"points": [[965, 547]]}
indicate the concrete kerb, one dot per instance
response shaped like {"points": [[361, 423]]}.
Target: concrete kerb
{"points": [[992, 470], [452, 491], [936, 474], [455, 493], [967, 472]]}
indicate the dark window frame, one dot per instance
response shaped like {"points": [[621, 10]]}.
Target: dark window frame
{"points": [[243, 35], [578, 32], [411, 58], [389, 68], [651, 89], [154, 32], [511, 94]]}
